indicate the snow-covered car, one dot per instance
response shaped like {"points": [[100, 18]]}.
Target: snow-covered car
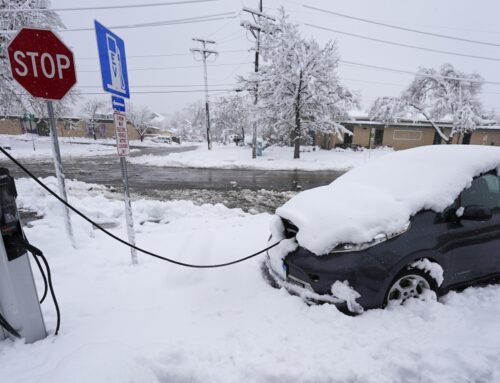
{"points": [[402, 226], [162, 139]]}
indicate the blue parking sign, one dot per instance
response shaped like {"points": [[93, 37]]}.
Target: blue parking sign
{"points": [[113, 62]]}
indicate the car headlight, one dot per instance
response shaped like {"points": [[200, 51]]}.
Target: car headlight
{"points": [[379, 238]]}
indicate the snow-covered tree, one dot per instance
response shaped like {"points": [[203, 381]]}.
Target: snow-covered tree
{"points": [[189, 123], [91, 109], [388, 110], [230, 117], [298, 87], [140, 118], [436, 94], [13, 99], [392, 109]]}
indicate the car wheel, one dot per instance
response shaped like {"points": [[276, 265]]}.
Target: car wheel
{"points": [[410, 284]]}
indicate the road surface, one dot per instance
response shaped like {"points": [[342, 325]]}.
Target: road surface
{"points": [[262, 190]]}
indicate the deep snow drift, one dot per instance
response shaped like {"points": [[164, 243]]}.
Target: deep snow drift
{"points": [[160, 323], [273, 158], [380, 196]]}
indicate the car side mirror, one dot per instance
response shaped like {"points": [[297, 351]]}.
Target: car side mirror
{"points": [[475, 213]]}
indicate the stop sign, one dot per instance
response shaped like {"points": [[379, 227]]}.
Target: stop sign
{"points": [[41, 63]]}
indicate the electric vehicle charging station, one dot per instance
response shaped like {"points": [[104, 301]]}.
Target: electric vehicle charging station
{"points": [[19, 304]]}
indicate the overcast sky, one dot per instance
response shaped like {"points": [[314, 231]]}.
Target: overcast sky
{"points": [[476, 20]]}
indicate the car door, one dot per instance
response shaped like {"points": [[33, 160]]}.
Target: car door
{"points": [[472, 247]]}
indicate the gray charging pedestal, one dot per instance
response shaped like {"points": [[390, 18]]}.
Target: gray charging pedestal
{"points": [[19, 303]]}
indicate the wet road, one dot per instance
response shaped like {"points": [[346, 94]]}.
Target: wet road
{"points": [[234, 188]]}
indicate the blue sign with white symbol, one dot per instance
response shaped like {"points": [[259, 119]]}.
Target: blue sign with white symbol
{"points": [[118, 104], [113, 63]]}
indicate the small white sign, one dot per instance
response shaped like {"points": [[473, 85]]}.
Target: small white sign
{"points": [[121, 135]]}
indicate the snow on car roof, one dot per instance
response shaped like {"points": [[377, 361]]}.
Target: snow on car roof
{"points": [[382, 195]]}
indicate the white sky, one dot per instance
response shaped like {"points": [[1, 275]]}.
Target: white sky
{"points": [[462, 18]]}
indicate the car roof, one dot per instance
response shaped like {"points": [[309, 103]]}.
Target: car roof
{"points": [[381, 195]]}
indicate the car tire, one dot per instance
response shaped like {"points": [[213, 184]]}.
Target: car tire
{"points": [[410, 283]]}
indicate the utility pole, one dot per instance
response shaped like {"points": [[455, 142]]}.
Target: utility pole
{"points": [[205, 53], [255, 30]]}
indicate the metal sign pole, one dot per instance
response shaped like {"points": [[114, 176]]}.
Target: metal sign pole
{"points": [[59, 170], [114, 75], [122, 145], [128, 210]]}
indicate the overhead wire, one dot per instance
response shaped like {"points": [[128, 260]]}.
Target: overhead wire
{"points": [[162, 54], [163, 86], [413, 73], [169, 67], [188, 20], [402, 44], [103, 7], [165, 91], [400, 28]]}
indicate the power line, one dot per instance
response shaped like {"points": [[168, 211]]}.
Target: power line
{"points": [[221, 27], [371, 82], [402, 44], [300, 11], [162, 55], [147, 5], [166, 91], [214, 92], [160, 86], [407, 72], [189, 20], [401, 28], [167, 67]]}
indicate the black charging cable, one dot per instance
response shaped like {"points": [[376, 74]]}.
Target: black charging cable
{"points": [[75, 210], [6, 325], [36, 252], [45, 287]]}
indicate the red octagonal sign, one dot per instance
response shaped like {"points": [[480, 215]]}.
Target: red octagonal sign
{"points": [[41, 63]]}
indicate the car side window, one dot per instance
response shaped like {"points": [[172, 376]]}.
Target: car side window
{"points": [[484, 191]]}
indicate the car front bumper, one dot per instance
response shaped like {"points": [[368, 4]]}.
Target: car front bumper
{"points": [[300, 288]]}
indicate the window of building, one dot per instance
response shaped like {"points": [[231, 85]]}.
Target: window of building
{"points": [[379, 137], [407, 135], [437, 139], [466, 139]]}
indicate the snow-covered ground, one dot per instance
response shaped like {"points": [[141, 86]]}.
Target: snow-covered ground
{"points": [[157, 322], [22, 146], [273, 158]]}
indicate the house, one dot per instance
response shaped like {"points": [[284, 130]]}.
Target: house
{"points": [[66, 127], [404, 134]]}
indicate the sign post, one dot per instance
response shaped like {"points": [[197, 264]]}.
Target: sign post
{"points": [[43, 65], [115, 81]]}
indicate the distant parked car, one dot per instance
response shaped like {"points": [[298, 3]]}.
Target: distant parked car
{"points": [[354, 147], [162, 139], [403, 226]]}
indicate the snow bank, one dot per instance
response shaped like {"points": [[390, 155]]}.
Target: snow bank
{"points": [[156, 322], [273, 158], [381, 196], [22, 146]]}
